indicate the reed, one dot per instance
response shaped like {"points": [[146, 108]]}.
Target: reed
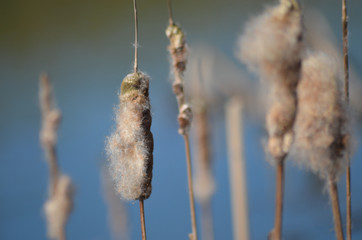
{"points": [[321, 127], [178, 52], [60, 202], [130, 147], [346, 98], [271, 46]]}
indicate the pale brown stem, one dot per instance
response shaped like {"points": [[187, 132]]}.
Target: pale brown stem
{"points": [[143, 223], [135, 37], [170, 17], [279, 192], [234, 130], [207, 222], [346, 96], [333, 193], [193, 235]]}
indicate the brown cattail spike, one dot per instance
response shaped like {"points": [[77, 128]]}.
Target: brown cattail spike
{"points": [[130, 147]]}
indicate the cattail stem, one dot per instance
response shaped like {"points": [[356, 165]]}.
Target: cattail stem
{"points": [[346, 96], [170, 16], [135, 37], [279, 192], [333, 192], [234, 125], [193, 235], [143, 223]]}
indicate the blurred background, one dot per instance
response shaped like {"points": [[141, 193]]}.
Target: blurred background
{"points": [[86, 47]]}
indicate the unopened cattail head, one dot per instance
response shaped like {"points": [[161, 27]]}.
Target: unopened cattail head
{"points": [[321, 123], [59, 206], [130, 147]]}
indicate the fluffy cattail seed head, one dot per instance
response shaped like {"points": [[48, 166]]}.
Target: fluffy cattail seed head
{"points": [[272, 42], [59, 206], [321, 123], [130, 147], [271, 46]]}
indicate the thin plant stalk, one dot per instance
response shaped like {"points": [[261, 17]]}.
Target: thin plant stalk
{"points": [[235, 141], [346, 96], [143, 223], [279, 192], [333, 192], [178, 52], [193, 235]]}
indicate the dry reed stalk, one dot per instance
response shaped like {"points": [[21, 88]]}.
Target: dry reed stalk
{"points": [[235, 141], [333, 192], [178, 52], [271, 46], [130, 147], [346, 97], [60, 202], [321, 130]]}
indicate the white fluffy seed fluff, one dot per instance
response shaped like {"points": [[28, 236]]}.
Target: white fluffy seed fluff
{"points": [[321, 134], [272, 42], [59, 206], [130, 146], [271, 46]]}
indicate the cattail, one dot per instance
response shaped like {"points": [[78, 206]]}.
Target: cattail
{"points": [[58, 207], [271, 46], [178, 52], [321, 124], [60, 203], [130, 146]]}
